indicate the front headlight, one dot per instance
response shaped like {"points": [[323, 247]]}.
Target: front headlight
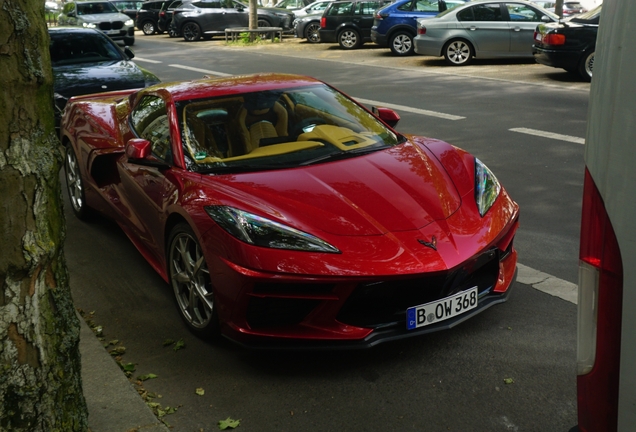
{"points": [[487, 187], [263, 232], [129, 22], [89, 25]]}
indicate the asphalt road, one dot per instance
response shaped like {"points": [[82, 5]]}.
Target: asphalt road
{"points": [[510, 369]]}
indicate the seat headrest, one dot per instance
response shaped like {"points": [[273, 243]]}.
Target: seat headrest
{"points": [[261, 101]]}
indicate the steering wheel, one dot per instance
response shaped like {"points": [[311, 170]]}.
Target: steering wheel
{"points": [[307, 125]]}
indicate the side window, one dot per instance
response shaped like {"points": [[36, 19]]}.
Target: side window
{"points": [[367, 8], [519, 12], [466, 15], [150, 121], [426, 6], [488, 12], [340, 9], [406, 7]]}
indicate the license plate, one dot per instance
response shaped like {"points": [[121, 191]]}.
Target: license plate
{"points": [[440, 310], [538, 37], [112, 32]]}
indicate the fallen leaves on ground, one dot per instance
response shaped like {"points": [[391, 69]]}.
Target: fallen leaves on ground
{"points": [[229, 423]]}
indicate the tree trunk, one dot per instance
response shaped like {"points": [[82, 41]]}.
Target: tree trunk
{"points": [[253, 23], [558, 8], [40, 384]]}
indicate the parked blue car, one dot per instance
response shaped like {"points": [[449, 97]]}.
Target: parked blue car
{"points": [[395, 25]]}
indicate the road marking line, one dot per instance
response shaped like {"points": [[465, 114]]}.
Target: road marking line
{"points": [[205, 71], [550, 135], [411, 110], [547, 283], [147, 60]]}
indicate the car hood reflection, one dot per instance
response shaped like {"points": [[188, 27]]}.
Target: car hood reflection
{"points": [[80, 79], [399, 189]]}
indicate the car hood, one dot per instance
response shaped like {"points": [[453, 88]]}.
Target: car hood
{"points": [[73, 80], [399, 189], [104, 17]]}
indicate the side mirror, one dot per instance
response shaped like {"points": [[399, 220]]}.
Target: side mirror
{"points": [[387, 115], [71, 14], [129, 52], [545, 19], [138, 148], [240, 8]]}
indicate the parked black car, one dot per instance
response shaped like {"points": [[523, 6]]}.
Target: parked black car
{"points": [[308, 27], [569, 44], [349, 22], [155, 16], [85, 61], [204, 19], [128, 7]]}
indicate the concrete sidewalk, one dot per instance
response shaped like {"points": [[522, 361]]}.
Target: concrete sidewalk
{"points": [[113, 403]]}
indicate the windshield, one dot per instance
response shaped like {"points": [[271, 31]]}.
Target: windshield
{"points": [[68, 48], [277, 129], [95, 8]]}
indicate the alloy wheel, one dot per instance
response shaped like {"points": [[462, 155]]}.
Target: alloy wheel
{"points": [[74, 183], [190, 280], [191, 32], [148, 28], [349, 39], [402, 44], [312, 32], [458, 53]]}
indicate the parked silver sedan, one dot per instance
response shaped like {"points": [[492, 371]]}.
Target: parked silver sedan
{"points": [[481, 29]]}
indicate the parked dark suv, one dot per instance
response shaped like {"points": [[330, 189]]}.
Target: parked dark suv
{"points": [[197, 19], [349, 22], [395, 25], [155, 16]]}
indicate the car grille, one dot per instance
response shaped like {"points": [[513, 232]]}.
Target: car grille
{"points": [[383, 303], [115, 25]]}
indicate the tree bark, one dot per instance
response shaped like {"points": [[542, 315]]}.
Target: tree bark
{"points": [[558, 8], [40, 383], [253, 17]]}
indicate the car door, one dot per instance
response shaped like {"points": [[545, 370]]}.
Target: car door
{"points": [[363, 16], [485, 26], [522, 20], [145, 190]]}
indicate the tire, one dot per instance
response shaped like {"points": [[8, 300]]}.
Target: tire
{"points": [[190, 280], [401, 43], [191, 31], [129, 41], [458, 52], [587, 64], [75, 184], [312, 32], [148, 28], [349, 39], [263, 23]]}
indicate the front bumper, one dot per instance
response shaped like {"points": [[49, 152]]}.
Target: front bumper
{"points": [[305, 312]]}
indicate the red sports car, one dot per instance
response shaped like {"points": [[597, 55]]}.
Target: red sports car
{"points": [[283, 213]]}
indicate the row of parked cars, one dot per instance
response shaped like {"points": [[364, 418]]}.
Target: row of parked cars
{"points": [[460, 30]]}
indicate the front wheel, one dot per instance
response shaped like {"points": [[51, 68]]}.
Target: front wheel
{"points": [[349, 39], [587, 64], [401, 43], [312, 32], [75, 184], [458, 52], [191, 32], [191, 283], [148, 28]]}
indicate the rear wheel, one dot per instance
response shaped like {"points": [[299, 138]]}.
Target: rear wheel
{"points": [[401, 43], [148, 28], [349, 39], [191, 32], [458, 52], [191, 283], [312, 32], [586, 66]]}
